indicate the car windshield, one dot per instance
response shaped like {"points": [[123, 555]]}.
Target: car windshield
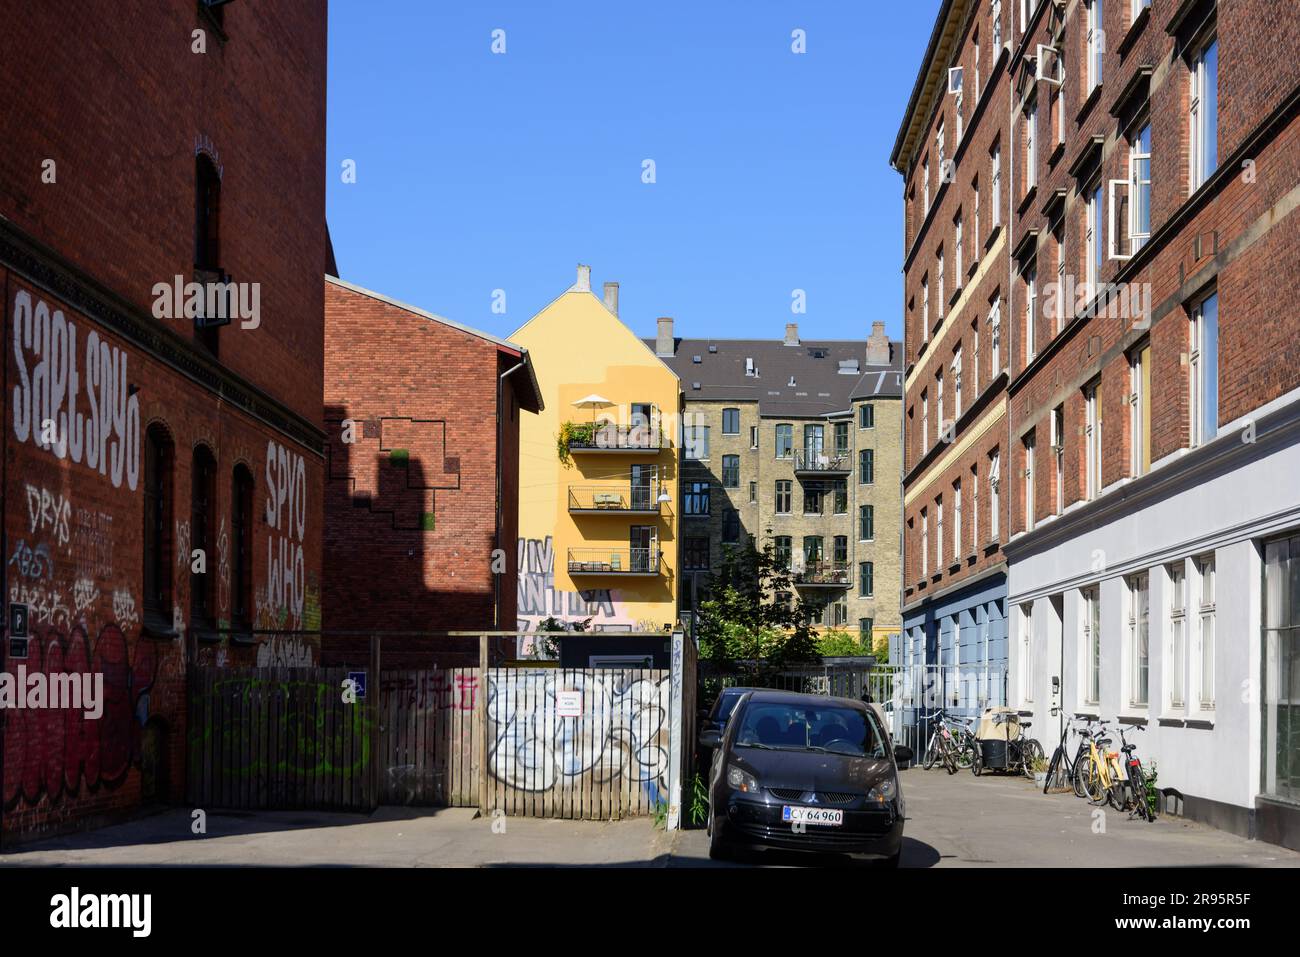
{"points": [[727, 704], [800, 727]]}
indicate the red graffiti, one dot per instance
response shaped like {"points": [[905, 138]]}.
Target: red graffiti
{"points": [[50, 753], [468, 686]]}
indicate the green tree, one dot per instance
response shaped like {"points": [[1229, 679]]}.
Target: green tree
{"points": [[742, 618]]}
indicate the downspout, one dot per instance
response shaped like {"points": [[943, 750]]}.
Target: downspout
{"points": [[496, 579]]}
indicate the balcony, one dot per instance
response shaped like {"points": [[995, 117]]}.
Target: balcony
{"points": [[607, 562], [607, 438], [810, 463], [618, 499], [823, 575]]}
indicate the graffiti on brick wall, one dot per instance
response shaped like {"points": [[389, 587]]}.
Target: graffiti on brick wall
{"points": [[46, 604], [539, 599], [92, 544], [58, 754], [622, 734], [48, 512], [32, 562], [223, 568], [286, 515], [47, 396], [285, 651], [434, 690]]}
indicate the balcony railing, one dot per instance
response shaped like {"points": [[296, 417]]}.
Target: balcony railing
{"points": [[614, 561], [608, 437], [636, 499], [820, 462], [827, 574]]}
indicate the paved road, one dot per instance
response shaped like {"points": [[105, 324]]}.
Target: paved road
{"points": [[963, 821], [953, 821]]}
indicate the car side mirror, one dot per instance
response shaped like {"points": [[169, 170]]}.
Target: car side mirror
{"points": [[903, 754], [710, 739]]}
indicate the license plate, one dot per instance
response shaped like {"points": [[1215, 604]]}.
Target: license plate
{"points": [[812, 815]]}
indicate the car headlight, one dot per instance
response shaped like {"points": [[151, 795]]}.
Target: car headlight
{"points": [[883, 793], [740, 780]]}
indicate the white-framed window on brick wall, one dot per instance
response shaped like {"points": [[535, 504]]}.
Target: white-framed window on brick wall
{"points": [[1203, 113], [1095, 39], [995, 506], [1092, 438]]}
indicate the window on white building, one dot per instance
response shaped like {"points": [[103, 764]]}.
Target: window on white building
{"points": [[1138, 640], [1205, 631], [1176, 672], [1203, 368], [1091, 644], [1027, 652]]}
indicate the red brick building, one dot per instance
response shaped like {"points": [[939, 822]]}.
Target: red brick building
{"points": [[145, 146], [422, 416]]}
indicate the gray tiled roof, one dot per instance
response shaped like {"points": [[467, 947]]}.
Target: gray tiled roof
{"points": [[819, 389]]}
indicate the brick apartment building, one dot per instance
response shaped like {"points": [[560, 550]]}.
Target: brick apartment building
{"points": [[1154, 416], [423, 420], [954, 152], [795, 444], [131, 154]]}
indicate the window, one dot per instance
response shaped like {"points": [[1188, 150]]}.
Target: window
{"points": [[995, 16], [731, 526], [938, 534], [784, 441], [783, 496], [866, 416], [697, 441], [956, 250], [1091, 645], [1031, 312], [753, 436], [813, 498], [866, 580], [956, 383], [925, 308], [975, 213], [1027, 652], [865, 628], [241, 548], [1139, 166], [1177, 667], [731, 471], [1203, 369], [1135, 7], [974, 508], [1203, 114], [813, 551], [866, 523], [841, 553], [1092, 437], [841, 438], [157, 524], [841, 497], [975, 357], [730, 421], [941, 150], [1060, 307], [939, 422], [1280, 659], [1092, 238], [753, 492], [695, 555], [1058, 457], [1205, 630], [1031, 147], [203, 476], [1029, 481], [939, 277], [995, 160], [925, 544], [695, 498], [925, 186], [956, 521], [995, 339], [925, 419], [1139, 401], [994, 504], [1138, 640], [866, 466], [814, 443], [207, 233], [781, 552], [1096, 43]]}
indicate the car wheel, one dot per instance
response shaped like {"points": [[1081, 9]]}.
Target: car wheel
{"points": [[891, 863], [717, 849]]}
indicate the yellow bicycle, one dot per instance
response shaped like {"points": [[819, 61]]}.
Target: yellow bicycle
{"points": [[1101, 775]]}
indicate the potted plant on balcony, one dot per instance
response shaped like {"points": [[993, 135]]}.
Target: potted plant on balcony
{"points": [[570, 432]]}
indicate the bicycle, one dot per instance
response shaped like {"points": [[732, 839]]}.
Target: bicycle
{"points": [[1101, 774], [1061, 770], [1136, 778], [942, 746]]}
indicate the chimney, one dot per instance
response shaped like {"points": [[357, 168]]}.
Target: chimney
{"points": [[877, 345], [664, 345], [611, 297], [792, 333], [584, 279]]}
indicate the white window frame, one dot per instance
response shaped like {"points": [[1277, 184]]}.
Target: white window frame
{"points": [[925, 187], [974, 508], [1199, 166], [1092, 438], [1176, 665], [1134, 186], [1135, 400], [925, 544], [1031, 146], [1031, 313], [1026, 652], [956, 521], [938, 409], [956, 384], [939, 275], [956, 252], [938, 534], [1206, 585], [1090, 645], [995, 14], [925, 420], [1096, 40], [1028, 444], [994, 497], [975, 357], [1058, 456], [995, 338], [1199, 373], [995, 161], [1092, 237], [925, 308], [1137, 633], [975, 212]]}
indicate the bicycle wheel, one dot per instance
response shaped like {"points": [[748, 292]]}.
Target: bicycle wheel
{"points": [[963, 755], [1094, 790], [976, 760], [1031, 753], [1137, 781], [1055, 766], [931, 752]]}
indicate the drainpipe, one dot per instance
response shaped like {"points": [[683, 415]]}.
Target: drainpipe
{"points": [[496, 579]]}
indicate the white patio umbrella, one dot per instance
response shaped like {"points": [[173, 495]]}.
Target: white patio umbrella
{"points": [[593, 402]]}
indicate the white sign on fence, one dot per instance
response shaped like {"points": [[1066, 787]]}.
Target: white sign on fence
{"points": [[568, 704]]}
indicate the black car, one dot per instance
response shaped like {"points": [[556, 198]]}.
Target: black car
{"points": [[806, 773]]}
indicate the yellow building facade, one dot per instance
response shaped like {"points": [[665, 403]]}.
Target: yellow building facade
{"points": [[598, 471]]}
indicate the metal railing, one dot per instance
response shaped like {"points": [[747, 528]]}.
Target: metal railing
{"points": [[814, 460], [612, 498], [824, 573], [614, 561], [605, 437]]}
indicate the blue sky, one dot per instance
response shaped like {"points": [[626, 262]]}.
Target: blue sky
{"points": [[477, 172]]}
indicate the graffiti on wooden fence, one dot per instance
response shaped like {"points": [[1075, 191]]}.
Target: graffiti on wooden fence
{"points": [[621, 734]]}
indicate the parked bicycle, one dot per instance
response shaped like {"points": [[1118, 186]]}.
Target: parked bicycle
{"points": [[1062, 770], [943, 746], [1137, 783]]}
